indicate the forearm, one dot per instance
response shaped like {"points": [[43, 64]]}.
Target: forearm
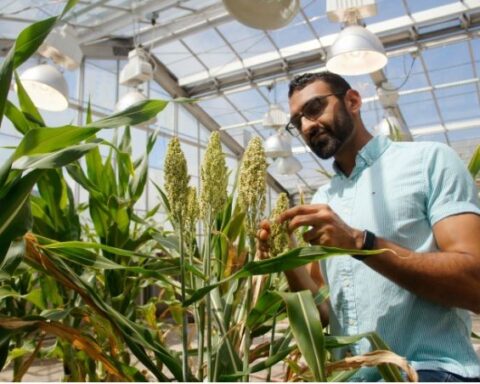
{"points": [[449, 278], [300, 279]]}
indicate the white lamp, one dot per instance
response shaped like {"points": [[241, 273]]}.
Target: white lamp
{"points": [[278, 145], [275, 117], [356, 51], [62, 46], [46, 86], [263, 14], [288, 165], [132, 98]]}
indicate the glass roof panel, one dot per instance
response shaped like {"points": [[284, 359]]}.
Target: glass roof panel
{"points": [[403, 71], [386, 9], [452, 64], [440, 137], [31, 9], [475, 45], [178, 59], [465, 134], [420, 114], [416, 6], [460, 106], [246, 41], [10, 29], [250, 99], [216, 106], [315, 10], [295, 32], [210, 48]]}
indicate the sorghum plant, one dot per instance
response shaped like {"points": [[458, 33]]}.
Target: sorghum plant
{"points": [[176, 185]]}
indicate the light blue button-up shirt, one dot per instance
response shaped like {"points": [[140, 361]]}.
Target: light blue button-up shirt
{"points": [[399, 191]]}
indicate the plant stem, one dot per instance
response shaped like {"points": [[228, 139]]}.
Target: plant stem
{"points": [[184, 312], [248, 304], [199, 315], [208, 300], [270, 351]]}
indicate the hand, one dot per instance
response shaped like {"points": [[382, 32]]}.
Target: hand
{"points": [[263, 235], [327, 228]]}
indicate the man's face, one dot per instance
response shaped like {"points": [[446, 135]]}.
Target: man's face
{"points": [[324, 120]]}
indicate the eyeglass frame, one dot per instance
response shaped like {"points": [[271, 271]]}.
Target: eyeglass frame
{"points": [[298, 131]]}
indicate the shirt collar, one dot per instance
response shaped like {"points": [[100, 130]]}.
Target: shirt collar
{"points": [[367, 155]]}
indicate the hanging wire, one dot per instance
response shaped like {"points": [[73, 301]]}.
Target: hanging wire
{"points": [[406, 77]]}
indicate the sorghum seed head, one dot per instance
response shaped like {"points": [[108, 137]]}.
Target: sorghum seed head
{"points": [[279, 237], [214, 176], [252, 180], [176, 178]]}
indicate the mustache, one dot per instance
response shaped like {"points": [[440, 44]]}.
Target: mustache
{"points": [[314, 133]]}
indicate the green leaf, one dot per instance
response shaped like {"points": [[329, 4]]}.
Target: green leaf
{"points": [[88, 117], [13, 257], [17, 118], [307, 329], [6, 292], [76, 172], [267, 305], [36, 297], [4, 349], [474, 164], [6, 71], [134, 115], [21, 223], [14, 200], [30, 39], [234, 226], [100, 217], [55, 159], [292, 259], [139, 180], [45, 140], [26, 104]]}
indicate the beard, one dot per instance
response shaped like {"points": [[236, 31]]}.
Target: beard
{"points": [[327, 140]]}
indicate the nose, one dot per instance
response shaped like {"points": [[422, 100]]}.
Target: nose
{"points": [[308, 125]]}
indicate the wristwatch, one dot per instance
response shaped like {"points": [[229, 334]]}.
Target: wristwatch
{"points": [[368, 244]]}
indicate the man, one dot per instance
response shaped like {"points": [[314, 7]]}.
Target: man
{"points": [[416, 199]]}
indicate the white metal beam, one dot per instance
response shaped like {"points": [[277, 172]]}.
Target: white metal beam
{"points": [[211, 16], [122, 19]]}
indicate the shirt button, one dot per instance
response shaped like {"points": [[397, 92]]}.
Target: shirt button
{"points": [[347, 283], [352, 322]]}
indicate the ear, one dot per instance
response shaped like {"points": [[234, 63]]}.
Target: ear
{"points": [[353, 101]]}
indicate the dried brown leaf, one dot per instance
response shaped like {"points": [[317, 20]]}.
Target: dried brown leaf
{"points": [[372, 359]]}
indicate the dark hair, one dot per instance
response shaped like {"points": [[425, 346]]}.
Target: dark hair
{"points": [[337, 83]]}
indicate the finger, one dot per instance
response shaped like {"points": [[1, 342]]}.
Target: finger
{"points": [[301, 210], [315, 219], [312, 235], [263, 235], [265, 224]]}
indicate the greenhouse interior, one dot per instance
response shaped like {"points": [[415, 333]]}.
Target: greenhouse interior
{"points": [[239, 190]]}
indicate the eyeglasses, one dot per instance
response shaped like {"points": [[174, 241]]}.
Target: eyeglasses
{"points": [[311, 110]]}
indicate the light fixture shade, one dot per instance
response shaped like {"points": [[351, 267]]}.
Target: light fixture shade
{"points": [[288, 165], [129, 99], [278, 145], [356, 51], [62, 46], [275, 117], [46, 86], [263, 14]]}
